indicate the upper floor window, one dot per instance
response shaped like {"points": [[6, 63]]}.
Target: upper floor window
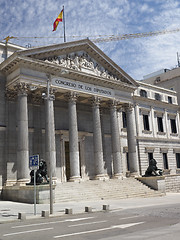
{"points": [[124, 120], [143, 93], [173, 125], [169, 99], [157, 96], [160, 124], [146, 122]]}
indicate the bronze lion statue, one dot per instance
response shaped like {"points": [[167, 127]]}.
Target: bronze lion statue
{"points": [[152, 169], [41, 174]]}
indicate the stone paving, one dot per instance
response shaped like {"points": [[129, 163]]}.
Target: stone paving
{"points": [[9, 210]]}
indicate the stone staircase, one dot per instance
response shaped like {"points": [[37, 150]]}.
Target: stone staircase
{"points": [[101, 190]]}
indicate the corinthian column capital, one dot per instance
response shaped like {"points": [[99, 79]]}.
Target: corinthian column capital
{"points": [[72, 96], [128, 107], [21, 87], [95, 101], [113, 104]]}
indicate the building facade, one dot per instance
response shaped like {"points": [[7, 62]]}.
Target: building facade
{"points": [[82, 114], [157, 124]]}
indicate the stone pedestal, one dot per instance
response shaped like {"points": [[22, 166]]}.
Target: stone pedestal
{"points": [[156, 182], [25, 194]]}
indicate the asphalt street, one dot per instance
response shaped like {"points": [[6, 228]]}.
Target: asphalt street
{"points": [[152, 222]]}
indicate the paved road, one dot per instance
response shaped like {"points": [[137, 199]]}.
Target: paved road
{"points": [[160, 222]]}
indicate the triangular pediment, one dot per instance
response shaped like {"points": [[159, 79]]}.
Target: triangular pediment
{"points": [[83, 62], [82, 56]]}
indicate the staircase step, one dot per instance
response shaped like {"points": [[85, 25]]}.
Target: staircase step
{"points": [[98, 190]]}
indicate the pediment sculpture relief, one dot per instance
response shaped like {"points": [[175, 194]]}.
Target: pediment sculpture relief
{"points": [[82, 63]]}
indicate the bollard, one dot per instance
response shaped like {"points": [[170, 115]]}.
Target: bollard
{"points": [[68, 211], [88, 209], [45, 214], [106, 207], [21, 216]]}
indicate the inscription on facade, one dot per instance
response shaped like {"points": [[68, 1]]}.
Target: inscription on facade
{"points": [[82, 87]]}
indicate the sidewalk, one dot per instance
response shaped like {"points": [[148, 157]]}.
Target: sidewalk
{"points": [[9, 210]]}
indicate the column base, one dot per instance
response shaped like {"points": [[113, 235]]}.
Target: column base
{"points": [[117, 176], [22, 182], [75, 179], [134, 174], [10, 183], [101, 177]]}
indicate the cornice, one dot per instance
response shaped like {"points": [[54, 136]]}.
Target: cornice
{"points": [[165, 140], [54, 69], [154, 103]]}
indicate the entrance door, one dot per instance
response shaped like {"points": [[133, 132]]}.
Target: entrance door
{"points": [[67, 161]]}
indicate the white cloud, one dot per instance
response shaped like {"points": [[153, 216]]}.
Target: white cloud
{"points": [[23, 18]]}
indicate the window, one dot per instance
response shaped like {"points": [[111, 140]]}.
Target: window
{"points": [[143, 93], [173, 126], [146, 122], [160, 124], [124, 120], [157, 96], [150, 156], [169, 99], [178, 160], [165, 161]]}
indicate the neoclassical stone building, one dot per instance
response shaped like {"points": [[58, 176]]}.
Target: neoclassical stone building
{"points": [[84, 115]]}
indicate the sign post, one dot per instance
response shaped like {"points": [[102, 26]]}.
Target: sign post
{"points": [[34, 165]]}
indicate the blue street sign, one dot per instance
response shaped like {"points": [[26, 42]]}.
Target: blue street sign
{"points": [[34, 162]]}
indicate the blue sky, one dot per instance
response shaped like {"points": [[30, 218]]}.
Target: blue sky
{"points": [[86, 18]]}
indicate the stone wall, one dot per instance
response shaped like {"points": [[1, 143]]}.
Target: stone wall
{"points": [[172, 183], [26, 193], [169, 183]]}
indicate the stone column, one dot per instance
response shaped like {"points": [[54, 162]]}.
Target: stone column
{"points": [[73, 139], [154, 129], [22, 135], [115, 140], [167, 123], [97, 140], [50, 134], [131, 139]]}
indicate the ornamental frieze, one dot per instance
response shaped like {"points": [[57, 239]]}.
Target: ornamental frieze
{"points": [[83, 63]]}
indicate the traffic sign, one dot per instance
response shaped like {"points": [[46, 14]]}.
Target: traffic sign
{"points": [[34, 162]]}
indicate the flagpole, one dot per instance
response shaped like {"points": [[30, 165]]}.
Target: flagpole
{"points": [[64, 25]]}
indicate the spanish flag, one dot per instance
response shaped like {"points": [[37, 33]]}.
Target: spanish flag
{"points": [[58, 19]]}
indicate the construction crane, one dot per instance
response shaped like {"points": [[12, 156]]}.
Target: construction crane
{"points": [[105, 38], [134, 35]]}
